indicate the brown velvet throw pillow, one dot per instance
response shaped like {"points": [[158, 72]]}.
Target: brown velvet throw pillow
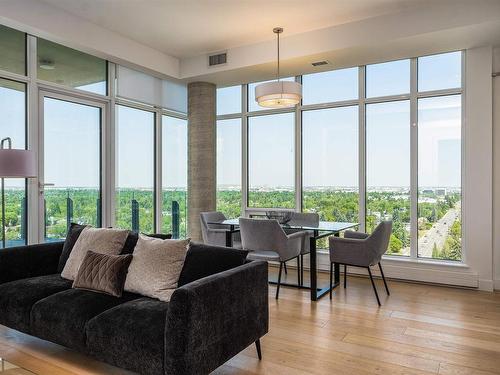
{"points": [[103, 273]]}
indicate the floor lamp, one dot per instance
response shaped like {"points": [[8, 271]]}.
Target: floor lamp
{"points": [[14, 163]]}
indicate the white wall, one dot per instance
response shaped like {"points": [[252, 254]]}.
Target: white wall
{"points": [[496, 167], [477, 180]]}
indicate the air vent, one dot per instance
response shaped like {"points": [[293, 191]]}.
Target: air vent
{"points": [[319, 63], [220, 58]]}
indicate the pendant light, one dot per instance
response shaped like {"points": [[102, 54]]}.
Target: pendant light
{"points": [[278, 94]]}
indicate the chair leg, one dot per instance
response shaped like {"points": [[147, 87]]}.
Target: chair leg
{"points": [[298, 271], [279, 280], [259, 351], [383, 278], [331, 280], [345, 276], [373, 284], [286, 271], [301, 269]]}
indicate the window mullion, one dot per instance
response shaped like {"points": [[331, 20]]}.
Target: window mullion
{"points": [[413, 160], [362, 147], [244, 149]]}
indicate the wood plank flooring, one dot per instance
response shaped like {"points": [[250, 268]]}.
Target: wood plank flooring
{"points": [[420, 329]]}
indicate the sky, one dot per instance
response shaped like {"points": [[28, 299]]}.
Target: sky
{"points": [[330, 136]]}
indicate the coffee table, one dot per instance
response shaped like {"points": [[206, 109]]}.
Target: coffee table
{"points": [[8, 368]]}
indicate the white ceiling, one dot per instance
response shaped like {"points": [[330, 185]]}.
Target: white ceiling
{"points": [[186, 28]]}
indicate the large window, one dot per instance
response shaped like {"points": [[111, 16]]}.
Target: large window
{"points": [[439, 177], [271, 161], [13, 125], [393, 127], [229, 167], [174, 175], [72, 165], [69, 67], [330, 163], [388, 171], [134, 204]]}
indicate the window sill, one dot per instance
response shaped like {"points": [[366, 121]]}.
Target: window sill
{"points": [[423, 261]]}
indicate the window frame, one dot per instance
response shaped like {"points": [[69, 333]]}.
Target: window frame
{"points": [[361, 102]]}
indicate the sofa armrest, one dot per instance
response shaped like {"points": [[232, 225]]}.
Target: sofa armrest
{"points": [[212, 319], [29, 261]]}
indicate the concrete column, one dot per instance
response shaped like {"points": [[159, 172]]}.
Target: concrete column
{"points": [[201, 154]]}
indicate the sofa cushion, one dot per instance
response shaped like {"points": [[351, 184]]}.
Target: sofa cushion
{"points": [[103, 273], [18, 297], [61, 318], [130, 335], [155, 267], [71, 237], [99, 240], [205, 260]]}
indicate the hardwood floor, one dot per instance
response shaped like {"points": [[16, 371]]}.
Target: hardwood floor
{"points": [[419, 329]]}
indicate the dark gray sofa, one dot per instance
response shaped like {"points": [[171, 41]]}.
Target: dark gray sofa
{"points": [[207, 321]]}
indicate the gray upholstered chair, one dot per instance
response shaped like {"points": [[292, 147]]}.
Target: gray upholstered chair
{"points": [[306, 219], [214, 234], [361, 250], [266, 240]]}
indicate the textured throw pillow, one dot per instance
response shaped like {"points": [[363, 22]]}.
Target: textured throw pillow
{"points": [[99, 240], [132, 238], [205, 260], [71, 237], [155, 267], [103, 273]]}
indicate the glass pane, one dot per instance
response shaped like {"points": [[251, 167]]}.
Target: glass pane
{"points": [[13, 125], [390, 78], [388, 171], [332, 86], [229, 167], [329, 187], [439, 177], [69, 67], [72, 164], [229, 100], [135, 170], [174, 175], [271, 161], [12, 50], [439, 72], [252, 104]]}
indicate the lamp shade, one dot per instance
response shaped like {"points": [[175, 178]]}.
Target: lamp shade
{"points": [[16, 163], [278, 94]]}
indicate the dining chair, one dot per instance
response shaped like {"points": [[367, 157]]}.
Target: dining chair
{"points": [[215, 234], [361, 250], [266, 240], [306, 219]]}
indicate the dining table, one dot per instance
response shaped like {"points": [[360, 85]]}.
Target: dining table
{"points": [[318, 231]]}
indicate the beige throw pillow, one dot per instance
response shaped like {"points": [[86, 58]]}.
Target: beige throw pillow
{"points": [[99, 240], [156, 266]]}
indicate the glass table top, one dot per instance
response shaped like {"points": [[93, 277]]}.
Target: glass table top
{"points": [[8, 368], [326, 226]]}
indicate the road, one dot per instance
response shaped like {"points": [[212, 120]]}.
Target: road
{"points": [[438, 232]]}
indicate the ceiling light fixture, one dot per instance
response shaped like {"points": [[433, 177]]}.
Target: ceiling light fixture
{"points": [[46, 64], [278, 94]]}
